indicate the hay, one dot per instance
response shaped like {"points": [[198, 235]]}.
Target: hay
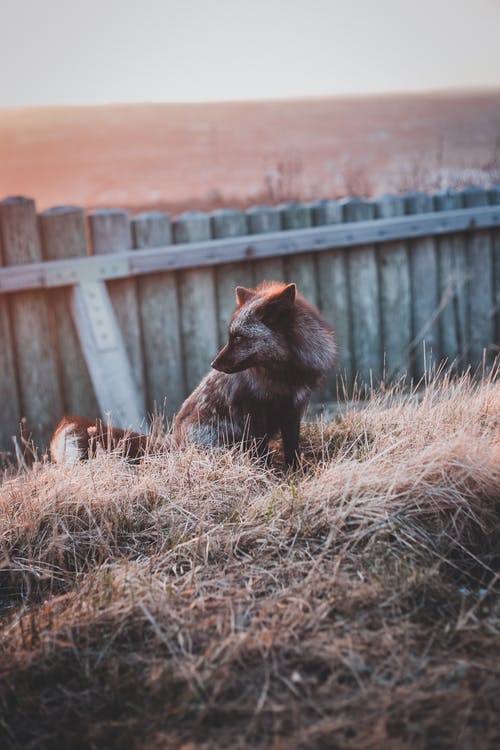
{"points": [[199, 600]]}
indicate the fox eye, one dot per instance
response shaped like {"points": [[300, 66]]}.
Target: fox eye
{"points": [[237, 337]]}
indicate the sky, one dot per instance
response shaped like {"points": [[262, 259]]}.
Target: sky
{"points": [[104, 51]]}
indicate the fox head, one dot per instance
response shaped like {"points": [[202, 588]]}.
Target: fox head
{"points": [[257, 331]]}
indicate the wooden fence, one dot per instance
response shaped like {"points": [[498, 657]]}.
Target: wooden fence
{"points": [[107, 312]]}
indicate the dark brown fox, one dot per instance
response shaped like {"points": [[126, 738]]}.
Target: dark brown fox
{"points": [[278, 351]]}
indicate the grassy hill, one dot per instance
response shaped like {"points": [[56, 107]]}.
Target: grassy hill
{"points": [[198, 600]]}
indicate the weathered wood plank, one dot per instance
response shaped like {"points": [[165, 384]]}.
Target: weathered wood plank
{"points": [[63, 235], [300, 268], [494, 196], [496, 251], [262, 220], [159, 316], [334, 298], [229, 223], [395, 294], [425, 351], [39, 388], [9, 396], [326, 212], [106, 357], [453, 283], [295, 215], [197, 299], [364, 287], [481, 288], [110, 231]]}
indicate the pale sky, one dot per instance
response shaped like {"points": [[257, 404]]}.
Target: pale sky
{"points": [[100, 51]]}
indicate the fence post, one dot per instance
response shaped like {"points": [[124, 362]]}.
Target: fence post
{"points": [[197, 303], [494, 195], [262, 219], [481, 289], [364, 287], [424, 291], [334, 298], [395, 294], [111, 232], [39, 390], [229, 222], [300, 268], [159, 317], [9, 396], [63, 235], [453, 285]]}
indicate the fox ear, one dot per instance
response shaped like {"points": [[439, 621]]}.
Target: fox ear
{"points": [[280, 303], [287, 296], [243, 294]]}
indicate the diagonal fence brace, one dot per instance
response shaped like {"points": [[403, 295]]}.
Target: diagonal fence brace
{"points": [[104, 351]]}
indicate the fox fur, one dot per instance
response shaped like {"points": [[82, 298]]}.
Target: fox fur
{"points": [[78, 438], [278, 351]]}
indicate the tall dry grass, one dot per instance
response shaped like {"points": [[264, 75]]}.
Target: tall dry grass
{"points": [[200, 600]]}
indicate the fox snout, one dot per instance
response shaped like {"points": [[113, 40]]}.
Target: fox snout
{"points": [[223, 362], [229, 361]]}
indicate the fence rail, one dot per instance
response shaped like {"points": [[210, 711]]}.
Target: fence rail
{"points": [[108, 312], [55, 273]]}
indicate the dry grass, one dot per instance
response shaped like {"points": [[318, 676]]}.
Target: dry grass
{"points": [[200, 601]]}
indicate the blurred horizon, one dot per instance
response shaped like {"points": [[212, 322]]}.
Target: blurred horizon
{"points": [[362, 95], [178, 156]]}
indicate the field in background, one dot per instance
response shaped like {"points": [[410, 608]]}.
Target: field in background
{"points": [[199, 601], [182, 156]]}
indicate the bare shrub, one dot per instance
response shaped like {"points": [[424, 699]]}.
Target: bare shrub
{"points": [[356, 181], [283, 183], [431, 173]]}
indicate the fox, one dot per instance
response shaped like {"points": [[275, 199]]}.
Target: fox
{"points": [[78, 439], [278, 351]]}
